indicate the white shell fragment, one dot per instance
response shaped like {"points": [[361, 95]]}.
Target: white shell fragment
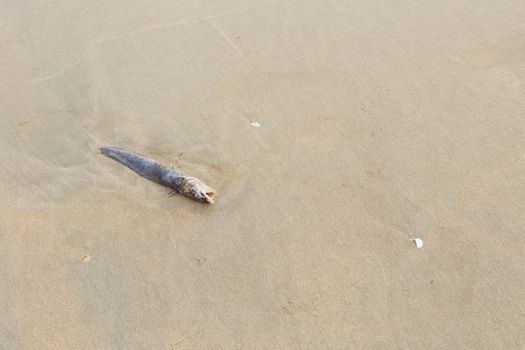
{"points": [[418, 242], [255, 124]]}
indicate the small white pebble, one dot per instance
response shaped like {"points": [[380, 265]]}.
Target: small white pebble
{"points": [[86, 258], [255, 124], [418, 242]]}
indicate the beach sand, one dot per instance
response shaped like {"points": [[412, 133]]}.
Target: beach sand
{"points": [[335, 132]]}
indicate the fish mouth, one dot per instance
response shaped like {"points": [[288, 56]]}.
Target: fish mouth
{"points": [[209, 196]]}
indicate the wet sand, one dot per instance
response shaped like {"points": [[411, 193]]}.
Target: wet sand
{"points": [[379, 123]]}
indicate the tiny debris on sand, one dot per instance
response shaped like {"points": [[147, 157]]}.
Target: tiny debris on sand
{"points": [[418, 242], [86, 258], [255, 124]]}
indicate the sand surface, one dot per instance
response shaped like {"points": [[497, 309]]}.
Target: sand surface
{"points": [[379, 122]]}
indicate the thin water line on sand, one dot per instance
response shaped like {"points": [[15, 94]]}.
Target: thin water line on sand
{"points": [[166, 25], [232, 44]]}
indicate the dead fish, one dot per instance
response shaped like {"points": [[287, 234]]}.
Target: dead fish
{"points": [[151, 170]]}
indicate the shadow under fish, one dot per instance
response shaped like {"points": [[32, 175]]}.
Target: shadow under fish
{"points": [[179, 183]]}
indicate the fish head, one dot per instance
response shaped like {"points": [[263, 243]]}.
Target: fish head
{"points": [[197, 190]]}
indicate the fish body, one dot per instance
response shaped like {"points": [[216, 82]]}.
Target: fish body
{"points": [[153, 171]]}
